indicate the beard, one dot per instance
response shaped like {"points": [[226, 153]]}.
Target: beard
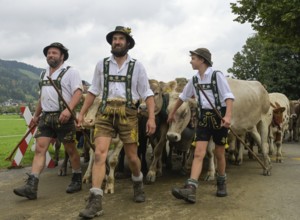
{"points": [[53, 63], [119, 51]]}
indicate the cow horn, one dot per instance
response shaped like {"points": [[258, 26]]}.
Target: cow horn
{"points": [[278, 106], [272, 105]]}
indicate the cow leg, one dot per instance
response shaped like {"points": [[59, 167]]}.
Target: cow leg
{"points": [[64, 166], [189, 160], [263, 128], [232, 148], [113, 161], [87, 178], [120, 169], [297, 129], [211, 162], [271, 140], [278, 143], [169, 154], [86, 147], [142, 151], [157, 154], [57, 146], [240, 148]]}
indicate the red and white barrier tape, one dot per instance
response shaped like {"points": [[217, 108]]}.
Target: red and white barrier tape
{"points": [[24, 144]]}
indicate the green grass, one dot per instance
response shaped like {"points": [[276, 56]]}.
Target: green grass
{"points": [[12, 129]]}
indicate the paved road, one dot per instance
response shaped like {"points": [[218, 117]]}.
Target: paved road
{"points": [[251, 195]]}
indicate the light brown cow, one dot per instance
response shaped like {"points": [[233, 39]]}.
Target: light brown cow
{"points": [[158, 138], [280, 122], [176, 140], [88, 123], [251, 114]]}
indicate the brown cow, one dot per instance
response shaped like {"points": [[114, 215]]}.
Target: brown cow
{"points": [[280, 122], [294, 123]]}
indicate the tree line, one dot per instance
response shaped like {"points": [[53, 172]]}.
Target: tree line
{"points": [[272, 54]]}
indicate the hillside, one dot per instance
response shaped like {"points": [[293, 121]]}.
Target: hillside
{"points": [[18, 81]]}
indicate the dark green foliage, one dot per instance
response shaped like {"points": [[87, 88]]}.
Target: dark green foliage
{"points": [[275, 66], [276, 21]]}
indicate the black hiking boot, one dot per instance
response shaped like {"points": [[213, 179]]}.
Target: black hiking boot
{"points": [[76, 183], [221, 186], [138, 191], [187, 193], [29, 190], [93, 208]]}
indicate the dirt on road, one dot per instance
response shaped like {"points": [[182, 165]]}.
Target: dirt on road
{"points": [[251, 195]]}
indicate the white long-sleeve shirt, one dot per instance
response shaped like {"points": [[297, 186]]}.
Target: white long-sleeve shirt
{"points": [[140, 87], [223, 89]]}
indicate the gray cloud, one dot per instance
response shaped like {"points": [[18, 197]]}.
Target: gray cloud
{"points": [[164, 32]]}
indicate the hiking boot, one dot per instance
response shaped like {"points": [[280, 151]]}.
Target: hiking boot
{"points": [[221, 186], [187, 193], [138, 191], [93, 208], [29, 190], [76, 183]]}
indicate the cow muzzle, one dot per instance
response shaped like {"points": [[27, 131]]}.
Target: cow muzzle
{"points": [[173, 137]]}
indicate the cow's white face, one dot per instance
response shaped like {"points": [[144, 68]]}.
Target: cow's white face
{"points": [[182, 118]]}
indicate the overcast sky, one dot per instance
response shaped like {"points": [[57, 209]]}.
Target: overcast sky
{"points": [[164, 31]]}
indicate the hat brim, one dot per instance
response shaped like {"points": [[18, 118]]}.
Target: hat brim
{"points": [[195, 53], [109, 37], [66, 54]]}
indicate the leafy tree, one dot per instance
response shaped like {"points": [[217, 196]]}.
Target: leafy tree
{"points": [[246, 63], [280, 69], [275, 66], [276, 21]]}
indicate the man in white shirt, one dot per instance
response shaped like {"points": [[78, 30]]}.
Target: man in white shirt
{"points": [[121, 82], [54, 119]]}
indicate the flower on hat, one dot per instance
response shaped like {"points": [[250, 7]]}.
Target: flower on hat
{"points": [[127, 30]]}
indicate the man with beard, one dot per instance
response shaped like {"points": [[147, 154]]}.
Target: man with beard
{"points": [[54, 119], [121, 82]]}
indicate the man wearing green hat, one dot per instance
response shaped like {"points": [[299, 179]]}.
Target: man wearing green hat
{"points": [[54, 119], [216, 87], [121, 82]]}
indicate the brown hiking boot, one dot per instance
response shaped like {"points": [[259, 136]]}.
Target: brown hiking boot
{"points": [[221, 186], [75, 184], [138, 191], [93, 208], [29, 190], [187, 193]]}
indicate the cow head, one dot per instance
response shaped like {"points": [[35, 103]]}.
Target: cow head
{"points": [[182, 118], [158, 98], [277, 113]]}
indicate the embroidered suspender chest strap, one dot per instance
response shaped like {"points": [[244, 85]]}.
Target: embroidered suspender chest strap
{"points": [[115, 78], [212, 86], [57, 82]]}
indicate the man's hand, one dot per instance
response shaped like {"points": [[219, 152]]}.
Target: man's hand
{"points": [[150, 126], [64, 116]]}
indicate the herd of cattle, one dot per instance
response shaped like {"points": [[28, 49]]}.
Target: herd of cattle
{"points": [[260, 118]]}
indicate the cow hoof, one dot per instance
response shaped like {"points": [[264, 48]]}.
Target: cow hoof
{"points": [[62, 173], [267, 172], [150, 179], [209, 178]]}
